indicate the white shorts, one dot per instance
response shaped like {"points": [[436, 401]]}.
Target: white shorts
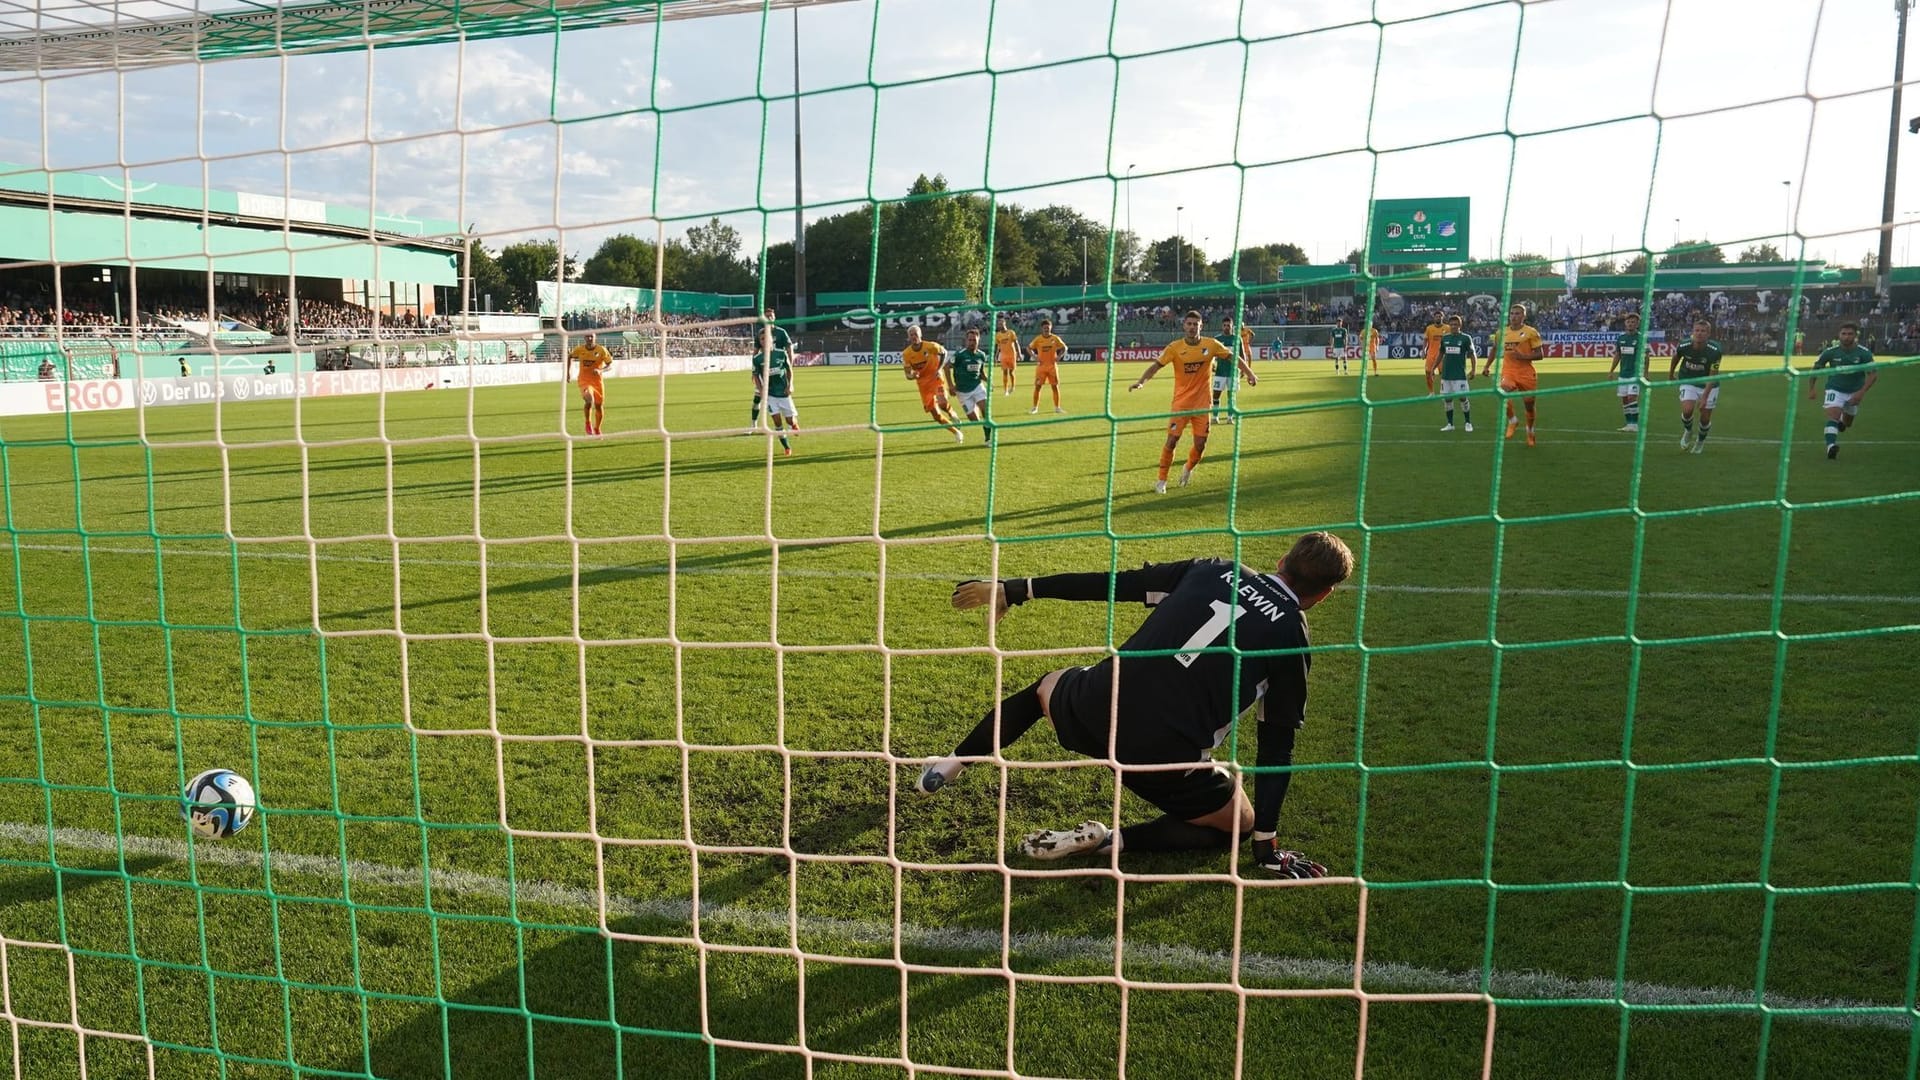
{"points": [[975, 397], [1629, 387], [782, 406], [1837, 399], [1453, 387], [1696, 392], [1222, 384]]}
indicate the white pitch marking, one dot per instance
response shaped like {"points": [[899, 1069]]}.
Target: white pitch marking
{"points": [[660, 570], [1390, 976]]}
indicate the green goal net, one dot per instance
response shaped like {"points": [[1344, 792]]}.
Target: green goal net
{"points": [[586, 746]]}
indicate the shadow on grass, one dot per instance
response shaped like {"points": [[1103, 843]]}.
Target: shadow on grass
{"points": [[587, 1007], [47, 887]]}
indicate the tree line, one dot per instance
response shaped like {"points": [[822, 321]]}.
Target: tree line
{"points": [[932, 239], [940, 239]]}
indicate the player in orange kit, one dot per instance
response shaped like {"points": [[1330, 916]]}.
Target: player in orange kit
{"points": [[926, 365], [1007, 344], [1048, 350], [1437, 328], [1193, 357], [593, 359], [1520, 346]]}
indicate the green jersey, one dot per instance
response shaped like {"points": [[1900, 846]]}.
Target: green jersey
{"points": [[781, 339], [1627, 348], [1339, 340], [1456, 357], [778, 372], [969, 367], [1226, 367], [1847, 377], [1699, 364]]}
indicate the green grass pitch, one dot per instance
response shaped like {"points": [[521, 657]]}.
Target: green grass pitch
{"points": [[1677, 799]]}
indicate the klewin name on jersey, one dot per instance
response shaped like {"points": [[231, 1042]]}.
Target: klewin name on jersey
{"points": [[1258, 600]]}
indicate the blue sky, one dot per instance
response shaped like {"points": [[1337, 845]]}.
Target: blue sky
{"points": [[1270, 123]]}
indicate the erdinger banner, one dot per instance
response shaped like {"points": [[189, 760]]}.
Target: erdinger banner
{"points": [[1074, 355], [1598, 344]]}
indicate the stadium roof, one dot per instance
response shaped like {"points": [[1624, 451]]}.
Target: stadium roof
{"points": [[85, 34], [81, 219]]}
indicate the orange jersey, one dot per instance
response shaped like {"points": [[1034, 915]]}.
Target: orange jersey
{"points": [[1048, 349], [1193, 370], [1525, 339], [1436, 331], [592, 362], [1246, 342], [1008, 344], [923, 362]]}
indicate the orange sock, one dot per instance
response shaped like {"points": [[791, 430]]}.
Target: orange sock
{"points": [[1166, 460], [1056, 397], [1529, 414], [1193, 458]]}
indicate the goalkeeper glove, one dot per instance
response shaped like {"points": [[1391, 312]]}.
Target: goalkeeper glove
{"points": [[972, 594], [1287, 864]]}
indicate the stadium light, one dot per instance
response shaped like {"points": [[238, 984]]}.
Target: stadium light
{"points": [[1786, 228], [1176, 243], [1883, 269]]}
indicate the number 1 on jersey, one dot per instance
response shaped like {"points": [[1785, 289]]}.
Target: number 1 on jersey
{"points": [[1210, 631]]}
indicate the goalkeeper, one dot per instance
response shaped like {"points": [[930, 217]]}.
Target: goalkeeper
{"points": [[1221, 638]]}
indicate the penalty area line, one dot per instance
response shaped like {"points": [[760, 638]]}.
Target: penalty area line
{"points": [[1381, 976], [248, 551]]}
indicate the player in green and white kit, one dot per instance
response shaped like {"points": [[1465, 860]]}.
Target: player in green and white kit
{"points": [[773, 372], [781, 341], [1697, 362], [967, 381], [1226, 374], [1456, 372], [1626, 363], [1337, 348], [1846, 386]]}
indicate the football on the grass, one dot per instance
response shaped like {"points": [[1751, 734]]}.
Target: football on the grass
{"points": [[219, 803]]}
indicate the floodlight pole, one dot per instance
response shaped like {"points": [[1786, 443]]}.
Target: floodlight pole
{"points": [[1883, 267], [799, 204]]}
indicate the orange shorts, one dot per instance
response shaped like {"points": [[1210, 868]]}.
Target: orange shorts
{"points": [[593, 392], [931, 394], [1433, 359], [1046, 375], [1201, 425], [1006, 363], [1519, 377]]}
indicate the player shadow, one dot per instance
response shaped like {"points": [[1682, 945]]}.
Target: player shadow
{"points": [[590, 577], [568, 1009], [47, 887]]}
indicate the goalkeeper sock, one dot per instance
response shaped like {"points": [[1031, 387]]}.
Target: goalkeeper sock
{"points": [[1011, 719], [1169, 833], [756, 410]]}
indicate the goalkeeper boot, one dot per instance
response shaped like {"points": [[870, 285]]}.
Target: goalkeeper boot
{"points": [[1050, 844], [934, 777]]}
